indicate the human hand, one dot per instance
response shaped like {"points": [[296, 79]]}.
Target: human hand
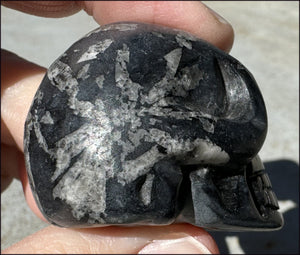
{"points": [[20, 80]]}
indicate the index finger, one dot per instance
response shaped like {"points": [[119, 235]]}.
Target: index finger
{"points": [[191, 16]]}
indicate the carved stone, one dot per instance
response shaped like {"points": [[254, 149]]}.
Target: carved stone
{"points": [[143, 124]]}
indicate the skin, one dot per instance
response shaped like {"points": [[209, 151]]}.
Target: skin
{"points": [[19, 82]]}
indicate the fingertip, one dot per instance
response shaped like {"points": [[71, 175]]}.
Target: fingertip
{"points": [[50, 9], [202, 236], [225, 39], [190, 16], [19, 82], [171, 239]]}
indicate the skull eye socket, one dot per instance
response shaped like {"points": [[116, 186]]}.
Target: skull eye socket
{"points": [[238, 100]]}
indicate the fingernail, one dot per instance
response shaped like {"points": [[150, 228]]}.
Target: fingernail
{"points": [[185, 245], [217, 16]]}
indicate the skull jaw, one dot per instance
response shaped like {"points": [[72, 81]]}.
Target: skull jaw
{"points": [[241, 202]]}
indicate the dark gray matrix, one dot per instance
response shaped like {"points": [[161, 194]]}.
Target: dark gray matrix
{"points": [[142, 124]]}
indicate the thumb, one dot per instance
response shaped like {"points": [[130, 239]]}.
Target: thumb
{"points": [[190, 16], [172, 239]]}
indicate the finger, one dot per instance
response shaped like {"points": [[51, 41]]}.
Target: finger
{"points": [[9, 165], [179, 238], [191, 16], [51, 9], [19, 82]]}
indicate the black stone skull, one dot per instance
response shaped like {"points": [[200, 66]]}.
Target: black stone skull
{"points": [[142, 124]]}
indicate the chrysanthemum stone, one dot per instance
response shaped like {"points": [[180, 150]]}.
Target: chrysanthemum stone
{"points": [[143, 124]]}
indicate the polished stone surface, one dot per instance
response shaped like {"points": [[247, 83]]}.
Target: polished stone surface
{"points": [[276, 71], [133, 120]]}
